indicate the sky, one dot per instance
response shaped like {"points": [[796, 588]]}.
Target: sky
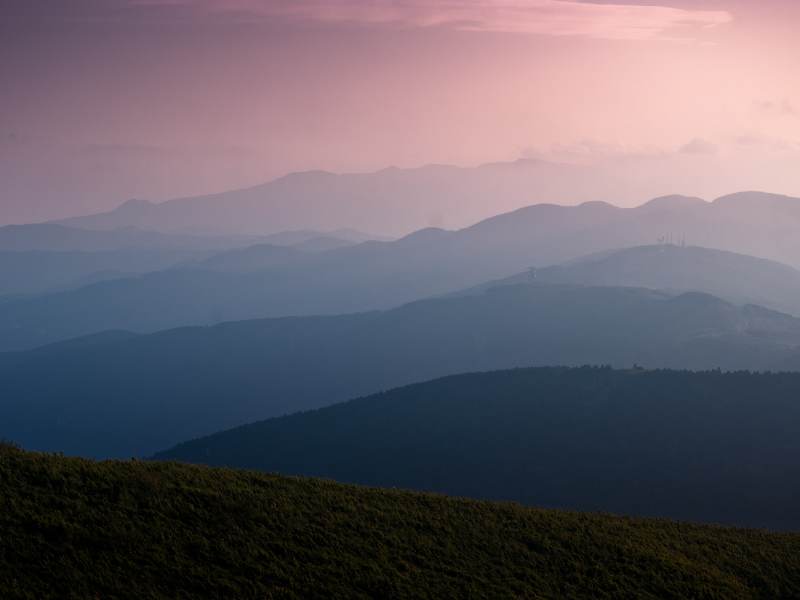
{"points": [[106, 100]]}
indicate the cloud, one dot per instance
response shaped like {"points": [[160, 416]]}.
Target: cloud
{"points": [[698, 146], [771, 108], [594, 152], [123, 151], [590, 151], [543, 17], [754, 140]]}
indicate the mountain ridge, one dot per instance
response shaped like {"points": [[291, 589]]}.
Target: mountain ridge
{"points": [[739, 278], [378, 275], [414, 197], [133, 397]]}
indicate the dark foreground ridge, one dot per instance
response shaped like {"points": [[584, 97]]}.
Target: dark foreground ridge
{"points": [[77, 528], [710, 446]]}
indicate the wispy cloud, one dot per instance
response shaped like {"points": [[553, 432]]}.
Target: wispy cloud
{"points": [[698, 146], [542, 17], [766, 142], [590, 152], [594, 152], [783, 108]]}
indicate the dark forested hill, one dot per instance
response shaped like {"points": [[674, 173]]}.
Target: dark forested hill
{"points": [[135, 396], [707, 446], [72, 528]]}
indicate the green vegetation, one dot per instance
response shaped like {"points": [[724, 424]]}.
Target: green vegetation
{"points": [[73, 528]]}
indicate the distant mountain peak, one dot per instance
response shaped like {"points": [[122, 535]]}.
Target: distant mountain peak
{"points": [[424, 235], [674, 201], [135, 204], [310, 175], [598, 205], [751, 196], [514, 164]]}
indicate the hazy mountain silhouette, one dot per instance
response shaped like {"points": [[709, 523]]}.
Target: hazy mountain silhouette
{"points": [[322, 243], [52, 237], [302, 237], [36, 259], [136, 396], [738, 278], [43, 258], [750, 223], [37, 272], [288, 249], [694, 446], [391, 201], [397, 201], [59, 238], [252, 258], [267, 282]]}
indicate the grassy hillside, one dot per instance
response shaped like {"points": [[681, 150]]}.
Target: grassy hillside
{"points": [[701, 446], [72, 528]]}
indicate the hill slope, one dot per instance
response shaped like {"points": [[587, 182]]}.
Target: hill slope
{"points": [[136, 396], [75, 528], [252, 258], [48, 237], [704, 446], [38, 272], [36, 259], [735, 277]]}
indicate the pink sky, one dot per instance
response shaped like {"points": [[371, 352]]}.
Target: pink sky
{"points": [[104, 100]]}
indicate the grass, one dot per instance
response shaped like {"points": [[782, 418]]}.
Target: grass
{"points": [[74, 528]]}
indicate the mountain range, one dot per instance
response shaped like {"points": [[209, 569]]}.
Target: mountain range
{"points": [[39, 259], [400, 201], [122, 394], [262, 281], [48, 237], [392, 201]]}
